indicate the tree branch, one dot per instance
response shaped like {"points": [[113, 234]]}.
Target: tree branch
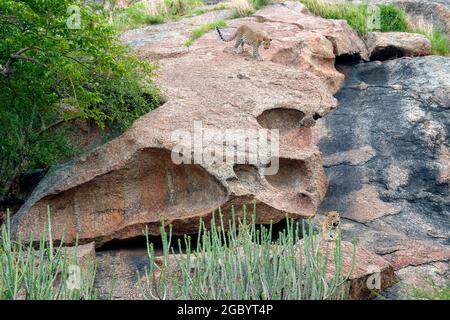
{"points": [[7, 69]]}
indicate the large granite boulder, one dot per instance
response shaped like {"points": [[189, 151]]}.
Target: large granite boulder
{"points": [[386, 154], [115, 190], [300, 40]]}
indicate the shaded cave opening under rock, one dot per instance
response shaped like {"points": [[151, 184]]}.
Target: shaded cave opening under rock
{"points": [[344, 62], [387, 53], [138, 245]]}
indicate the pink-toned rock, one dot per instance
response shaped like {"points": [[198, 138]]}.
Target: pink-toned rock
{"points": [[367, 267], [118, 188], [384, 45], [300, 40], [168, 40], [416, 253], [343, 38], [365, 205], [82, 255]]}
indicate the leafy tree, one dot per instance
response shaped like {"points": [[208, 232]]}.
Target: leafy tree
{"points": [[54, 71]]}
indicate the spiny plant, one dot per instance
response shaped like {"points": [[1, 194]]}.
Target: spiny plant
{"points": [[45, 273], [239, 260]]}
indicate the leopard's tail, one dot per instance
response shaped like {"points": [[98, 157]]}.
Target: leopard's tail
{"points": [[231, 38]]}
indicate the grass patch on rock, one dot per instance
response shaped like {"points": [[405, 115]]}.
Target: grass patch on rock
{"points": [[358, 15], [143, 13], [200, 31]]}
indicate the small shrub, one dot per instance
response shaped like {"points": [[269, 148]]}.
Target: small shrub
{"points": [[439, 43], [392, 18], [136, 15], [200, 31], [358, 15], [181, 7], [258, 4], [143, 13]]}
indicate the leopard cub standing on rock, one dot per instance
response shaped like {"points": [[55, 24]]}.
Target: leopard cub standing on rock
{"points": [[330, 226], [245, 35]]}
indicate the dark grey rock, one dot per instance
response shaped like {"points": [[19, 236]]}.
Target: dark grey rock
{"points": [[395, 199]]}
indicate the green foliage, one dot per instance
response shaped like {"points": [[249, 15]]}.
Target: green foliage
{"points": [[439, 43], [200, 31], [50, 73], [392, 18], [258, 4], [135, 16], [181, 7], [245, 263], [143, 13], [358, 15], [45, 273]]}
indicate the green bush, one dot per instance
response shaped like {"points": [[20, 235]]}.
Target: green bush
{"points": [[142, 13], [392, 18], [135, 16], [358, 15], [50, 74], [258, 4], [244, 263], [439, 43], [181, 7]]}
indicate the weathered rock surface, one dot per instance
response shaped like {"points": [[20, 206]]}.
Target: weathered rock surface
{"points": [[426, 277], [435, 13], [83, 255], [300, 40], [123, 266], [386, 45], [115, 190], [168, 39], [386, 156]]}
